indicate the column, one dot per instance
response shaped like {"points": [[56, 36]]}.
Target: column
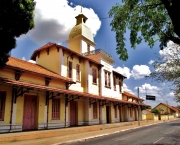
{"points": [[67, 113], [45, 115], [126, 111], [14, 114], [87, 112], [118, 114], [101, 114]]}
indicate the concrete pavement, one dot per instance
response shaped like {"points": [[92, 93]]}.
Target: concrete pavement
{"points": [[72, 134]]}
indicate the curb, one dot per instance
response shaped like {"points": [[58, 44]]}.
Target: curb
{"points": [[96, 136]]}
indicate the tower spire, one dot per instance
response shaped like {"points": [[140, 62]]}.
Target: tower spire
{"points": [[81, 6]]}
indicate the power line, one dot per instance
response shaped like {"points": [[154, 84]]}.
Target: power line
{"points": [[101, 18]]}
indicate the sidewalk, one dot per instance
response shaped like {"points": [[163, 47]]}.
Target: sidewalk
{"points": [[65, 135]]}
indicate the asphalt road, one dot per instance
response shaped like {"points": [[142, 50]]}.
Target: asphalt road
{"points": [[167, 133]]}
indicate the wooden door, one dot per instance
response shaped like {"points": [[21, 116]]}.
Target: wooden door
{"points": [[29, 116], [72, 113]]}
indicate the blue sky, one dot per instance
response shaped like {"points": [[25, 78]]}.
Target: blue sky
{"points": [[55, 18]]}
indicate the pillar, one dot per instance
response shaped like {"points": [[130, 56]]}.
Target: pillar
{"points": [[87, 112], [102, 121]]}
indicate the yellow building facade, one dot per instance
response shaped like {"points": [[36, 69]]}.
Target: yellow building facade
{"points": [[166, 109], [64, 87]]}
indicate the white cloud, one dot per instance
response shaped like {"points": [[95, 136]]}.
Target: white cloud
{"points": [[159, 93], [148, 89], [23, 58], [54, 19], [32, 61], [140, 71], [151, 62], [124, 71], [171, 94], [125, 88]]}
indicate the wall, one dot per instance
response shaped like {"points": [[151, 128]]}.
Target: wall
{"points": [[81, 111], [109, 92], [50, 61], [163, 107], [94, 120], [166, 117], [8, 91], [75, 60], [61, 121], [78, 45], [93, 88], [75, 44], [117, 87], [84, 47]]}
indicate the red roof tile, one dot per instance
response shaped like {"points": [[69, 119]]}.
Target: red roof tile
{"points": [[48, 45], [170, 107], [131, 95], [34, 68], [58, 90]]}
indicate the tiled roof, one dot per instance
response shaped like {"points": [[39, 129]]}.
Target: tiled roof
{"points": [[176, 108], [131, 95], [58, 90], [170, 107], [34, 68], [44, 47]]}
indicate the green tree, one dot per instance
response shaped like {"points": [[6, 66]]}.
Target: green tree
{"points": [[156, 111], [151, 20], [167, 69], [17, 17]]}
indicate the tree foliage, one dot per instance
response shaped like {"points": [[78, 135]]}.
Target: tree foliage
{"points": [[178, 106], [148, 20], [167, 68], [17, 17], [156, 111]]}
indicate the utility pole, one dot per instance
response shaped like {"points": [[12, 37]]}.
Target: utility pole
{"points": [[138, 109], [167, 109]]}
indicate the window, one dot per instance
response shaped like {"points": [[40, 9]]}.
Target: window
{"points": [[2, 104], [114, 80], [56, 108], [77, 72], [107, 76], [70, 69], [95, 110], [115, 111], [94, 75], [109, 80]]}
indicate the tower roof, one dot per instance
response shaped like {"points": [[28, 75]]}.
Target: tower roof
{"points": [[81, 29]]}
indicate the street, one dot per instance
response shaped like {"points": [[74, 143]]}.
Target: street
{"points": [[167, 133]]}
